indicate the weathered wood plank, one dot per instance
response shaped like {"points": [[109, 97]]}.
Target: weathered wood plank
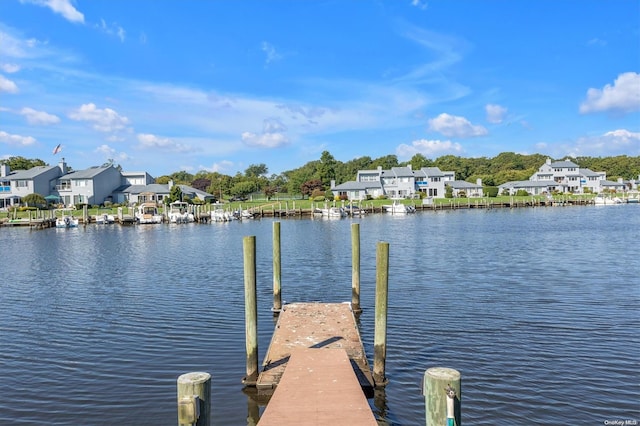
{"points": [[314, 325], [319, 387]]}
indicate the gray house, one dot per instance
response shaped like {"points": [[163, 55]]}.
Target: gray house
{"points": [[399, 182], [91, 186], [17, 184]]}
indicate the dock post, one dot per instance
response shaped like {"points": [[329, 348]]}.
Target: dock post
{"points": [[250, 310], [442, 393], [194, 399], [85, 214], [355, 268], [277, 283], [380, 333]]}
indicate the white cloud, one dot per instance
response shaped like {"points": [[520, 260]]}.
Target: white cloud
{"points": [[61, 7], [224, 166], [272, 136], [623, 96], [9, 68], [270, 51], [113, 30], [616, 142], [264, 140], [495, 113], [104, 120], [454, 126], [16, 139], [39, 117], [148, 140], [428, 148], [420, 4], [109, 152], [7, 85]]}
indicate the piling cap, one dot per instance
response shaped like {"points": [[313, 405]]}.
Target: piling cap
{"points": [[443, 373], [195, 377]]}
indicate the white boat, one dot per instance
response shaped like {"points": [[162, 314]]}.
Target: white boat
{"points": [[104, 218], [354, 210], [179, 212], [331, 212], [398, 208], [66, 219], [221, 215], [602, 200], [148, 213]]}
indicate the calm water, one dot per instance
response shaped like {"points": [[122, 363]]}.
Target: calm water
{"points": [[537, 308]]}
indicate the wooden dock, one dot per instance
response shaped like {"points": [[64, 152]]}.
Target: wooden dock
{"points": [[318, 388], [315, 326]]}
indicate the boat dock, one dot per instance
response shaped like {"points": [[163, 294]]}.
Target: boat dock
{"points": [[314, 326], [315, 371], [318, 388]]}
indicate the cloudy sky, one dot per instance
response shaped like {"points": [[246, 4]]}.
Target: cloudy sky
{"points": [[166, 85]]}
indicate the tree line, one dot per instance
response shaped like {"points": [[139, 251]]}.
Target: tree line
{"points": [[317, 175]]}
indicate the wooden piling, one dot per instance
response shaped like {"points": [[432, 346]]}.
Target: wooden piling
{"points": [[251, 309], [355, 268], [194, 399], [442, 393], [380, 333], [277, 284]]}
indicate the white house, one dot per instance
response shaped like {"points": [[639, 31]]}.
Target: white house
{"points": [[562, 176], [398, 182]]}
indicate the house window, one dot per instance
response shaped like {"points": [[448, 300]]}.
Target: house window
{"points": [[80, 182], [22, 184]]}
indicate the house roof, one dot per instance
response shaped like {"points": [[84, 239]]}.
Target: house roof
{"points": [[563, 164], [462, 184], [527, 184], [588, 173], [357, 186], [29, 174], [89, 173], [432, 172], [400, 171]]}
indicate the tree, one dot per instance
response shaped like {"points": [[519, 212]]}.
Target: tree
{"points": [[34, 200], [182, 177], [256, 170], [327, 168], [112, 163], [386, 162], [201, 183], [419, 161], [21, 163], [309, 186], [448, 191], [175, 194], [243, 189]]}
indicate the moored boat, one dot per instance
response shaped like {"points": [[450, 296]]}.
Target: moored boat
{"points": [[66, 219], [148, 213]]}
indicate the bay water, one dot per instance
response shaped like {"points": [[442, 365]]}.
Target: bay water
{"points": [[538, 308]]}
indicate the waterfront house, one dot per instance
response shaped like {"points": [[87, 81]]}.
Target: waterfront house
{"points": [[559, 176], [91, 186], [398, 182], [462, 188], [16, 184], [155, 192]]}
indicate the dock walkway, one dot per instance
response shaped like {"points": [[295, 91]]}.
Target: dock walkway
{"points": [[314, 325], [316, 368], [318, 388]]}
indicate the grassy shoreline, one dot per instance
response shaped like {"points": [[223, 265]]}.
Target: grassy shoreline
{"points": [[291, 203]]}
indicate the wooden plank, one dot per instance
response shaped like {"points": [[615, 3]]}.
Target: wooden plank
{"points": [[319, 387], [314, 325]]}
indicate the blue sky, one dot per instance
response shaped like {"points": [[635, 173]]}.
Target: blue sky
{"points": [[166, 85]]}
